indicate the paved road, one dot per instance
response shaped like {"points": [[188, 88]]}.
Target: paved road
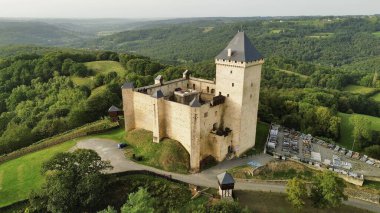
{"points": [[107, 149]]}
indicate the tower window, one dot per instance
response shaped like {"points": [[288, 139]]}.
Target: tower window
{"points": [[188, 86], [233, 84], [228, 95], [208, 89], [231, 71], [193, 86]]}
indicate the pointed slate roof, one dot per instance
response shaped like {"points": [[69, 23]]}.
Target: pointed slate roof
{"points": [[114, 109], [225, 178], [158, 94], [242, 50], [128, 85], [195, 102]]}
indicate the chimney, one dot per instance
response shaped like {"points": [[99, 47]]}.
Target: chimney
{"points": [[229, 52]]}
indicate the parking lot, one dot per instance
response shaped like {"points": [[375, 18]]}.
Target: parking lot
{"points": [[286, 143]]}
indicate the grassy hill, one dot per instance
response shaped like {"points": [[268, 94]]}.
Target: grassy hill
{"points": [[347, 139], [359, 89], [376, 97], [103, 67]]}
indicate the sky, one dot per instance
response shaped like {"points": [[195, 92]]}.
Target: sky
{"points": [[183, 8]]}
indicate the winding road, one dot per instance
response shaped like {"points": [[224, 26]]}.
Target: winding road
{"points": [[107, 149]]}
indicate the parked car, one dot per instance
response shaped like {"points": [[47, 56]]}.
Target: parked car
{"points": [[121, 145]]}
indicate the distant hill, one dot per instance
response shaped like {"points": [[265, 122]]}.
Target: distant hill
{"points": [[328, 40], [38, 33]]}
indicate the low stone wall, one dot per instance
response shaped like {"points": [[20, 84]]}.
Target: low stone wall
{"points": [[362, 195]]}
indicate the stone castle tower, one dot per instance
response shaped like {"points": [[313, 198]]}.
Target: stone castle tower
{"points": [[209, 118], [238, 75]]}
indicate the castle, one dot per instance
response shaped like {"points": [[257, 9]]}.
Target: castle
{"points": [[216, 118]]}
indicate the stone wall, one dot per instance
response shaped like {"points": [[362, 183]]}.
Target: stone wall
{"points": [[178, 123]]}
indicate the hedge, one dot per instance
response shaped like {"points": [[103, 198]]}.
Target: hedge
{"points": [[87, 129]]}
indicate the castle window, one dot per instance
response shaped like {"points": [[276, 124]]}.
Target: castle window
{"points": [[212, 91], [193, 86], [215, 126], [233, 84], [228, 95], [187, 86], [251, 84], [206, 114], [231, 71], [208, 89]]}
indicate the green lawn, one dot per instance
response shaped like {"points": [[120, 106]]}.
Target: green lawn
{"points": [[377, 34], [359, 89], [376, 97], [20, 176], [321, 35], [168, 155], [294, 73], [346, 128], [99, 67], [277, 202]]}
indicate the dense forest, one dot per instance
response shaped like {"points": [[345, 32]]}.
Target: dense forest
{"points": [[309, 63]]}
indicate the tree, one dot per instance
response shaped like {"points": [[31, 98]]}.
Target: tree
{"points": [[328, 190], [109, 209], [139, 202], [297, 192], [74, 182], [225, 206], [373, 151], [362, 130]]}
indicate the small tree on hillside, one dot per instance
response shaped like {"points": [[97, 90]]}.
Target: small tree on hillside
{"points": [[297, 192], [362, 130], [328, 190], [139, 202]]}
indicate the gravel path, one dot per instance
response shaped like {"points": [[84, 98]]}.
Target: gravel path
{"points": [[107, 149]]}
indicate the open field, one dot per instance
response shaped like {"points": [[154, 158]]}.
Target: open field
{"points": [[294, 73], [346, 126], [358, 89], [20, 176], [103, 67], [376, 97], [321, 35], [276, 202]]}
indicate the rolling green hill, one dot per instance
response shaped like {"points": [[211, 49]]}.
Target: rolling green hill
{"points": [[359, 89], [188, 41], [103, 67], [38, 33]]}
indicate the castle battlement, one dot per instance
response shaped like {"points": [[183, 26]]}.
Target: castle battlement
{"points": [[209, 118]]}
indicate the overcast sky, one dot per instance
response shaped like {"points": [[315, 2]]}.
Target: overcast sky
{"points": [[183, 8]]}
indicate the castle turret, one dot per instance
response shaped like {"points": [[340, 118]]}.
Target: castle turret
{"points": [[238, 75], [129, 116]]}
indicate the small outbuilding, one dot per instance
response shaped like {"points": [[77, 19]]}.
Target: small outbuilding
{"points": [[226, 185], [114, 113]]}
